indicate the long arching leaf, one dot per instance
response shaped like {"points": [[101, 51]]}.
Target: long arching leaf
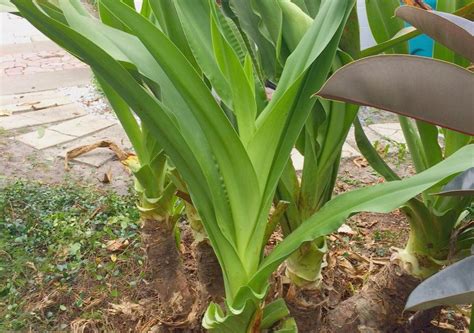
{"points": [[381, 198]]}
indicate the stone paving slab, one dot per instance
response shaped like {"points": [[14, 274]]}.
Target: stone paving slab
{"points": [[45, 81], [348, 151], [41, 117], [371, 135], [35, 47], [100, 156], [44, 140], [391, 131], [298, 159], [21, 106], [16, 30], [30, 97], [83, 125], [65, 132]]}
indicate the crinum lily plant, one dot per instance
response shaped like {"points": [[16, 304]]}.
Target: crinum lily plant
{"points": [[230, 151]]}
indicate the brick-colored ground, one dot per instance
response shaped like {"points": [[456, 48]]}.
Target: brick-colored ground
{"points": [[43, 61]]}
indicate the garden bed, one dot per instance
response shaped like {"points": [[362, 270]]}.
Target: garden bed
{"points": [[75, 261]]}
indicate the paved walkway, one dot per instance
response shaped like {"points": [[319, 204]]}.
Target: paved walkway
{"points": [[42, 103], [48, 107]]}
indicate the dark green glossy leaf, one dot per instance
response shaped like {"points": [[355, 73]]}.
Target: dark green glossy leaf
{"points": [[404, 85], [462, 185], [454, 32], [452, 286]]}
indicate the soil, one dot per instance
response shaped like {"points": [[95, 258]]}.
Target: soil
{"points": [[356, 253], [369, 115], [20, 161], [167, 277]]}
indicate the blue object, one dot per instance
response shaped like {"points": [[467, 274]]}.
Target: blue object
{"points": [[422, 45]]}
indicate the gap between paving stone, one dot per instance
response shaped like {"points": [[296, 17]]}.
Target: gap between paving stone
{"points": [[391, 131], [34, 47], [65, 132], [22, 106], [41, 117], [82, 126], [47, 139], [30, 97], [45, 81]]}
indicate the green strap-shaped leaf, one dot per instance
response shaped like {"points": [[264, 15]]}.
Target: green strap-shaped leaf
{"points": [[350, 40], [127, 120], [295, 23], [383, 24], [400, 37], [240, 83], [291, 103], [161, 125], [166, 13], [250, 23], [371, 154], [195, 18], [281, 122], [381, 198], [274, 312], [229, 153], [108, 18]]}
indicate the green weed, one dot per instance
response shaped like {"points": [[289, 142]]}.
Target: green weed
{"points": [[49, 236]]}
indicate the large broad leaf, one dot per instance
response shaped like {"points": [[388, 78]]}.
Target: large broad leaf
{"points": [[456, 7], [408, 33], [405, 85], [455, 32], [453, 285], [462, 185]]}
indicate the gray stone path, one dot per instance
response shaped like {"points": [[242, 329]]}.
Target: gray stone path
{"points": [[35, 111]]}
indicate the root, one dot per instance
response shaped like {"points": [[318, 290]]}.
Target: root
{"points": [[167, 273], [421, 321], [377, 307], [305, 305], [209, 273]]}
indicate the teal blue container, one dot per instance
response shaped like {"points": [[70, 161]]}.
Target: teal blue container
{"points": [[422, 45]]}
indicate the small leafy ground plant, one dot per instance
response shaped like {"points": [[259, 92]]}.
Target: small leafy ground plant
{"points": [[60, 247]]}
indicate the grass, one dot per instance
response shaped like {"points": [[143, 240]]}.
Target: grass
{"points": [[57, 238]]}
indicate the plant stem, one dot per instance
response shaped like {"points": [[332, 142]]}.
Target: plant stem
{"points": [[305, 265], [428, 242], [471, 327]]}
